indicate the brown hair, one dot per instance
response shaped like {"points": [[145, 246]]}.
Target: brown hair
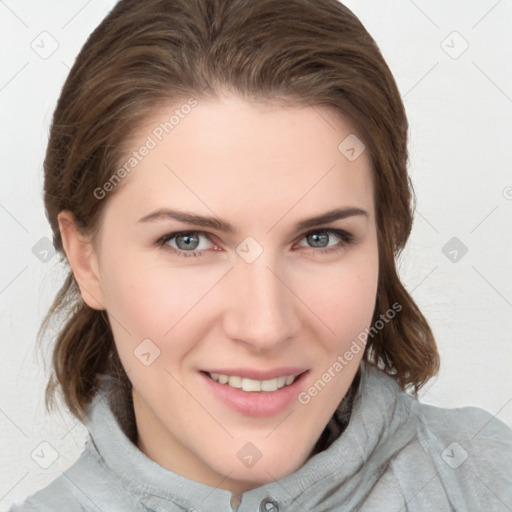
{"points": [[300, 52]]}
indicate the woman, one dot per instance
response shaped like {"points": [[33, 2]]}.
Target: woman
{"points": [[228, 182]]}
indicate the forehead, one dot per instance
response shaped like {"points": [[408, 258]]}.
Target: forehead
{"points": [[249, 160]]}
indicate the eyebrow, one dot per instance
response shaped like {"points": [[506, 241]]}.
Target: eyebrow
{"points": [[223, 226]]}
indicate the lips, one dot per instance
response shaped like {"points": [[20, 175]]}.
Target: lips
{"points": [[253, 392]]}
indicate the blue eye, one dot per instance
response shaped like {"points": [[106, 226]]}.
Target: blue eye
{"points": [[188, 243], [320, 239]]}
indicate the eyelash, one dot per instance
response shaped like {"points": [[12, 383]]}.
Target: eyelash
{"points": [[346, 239]]}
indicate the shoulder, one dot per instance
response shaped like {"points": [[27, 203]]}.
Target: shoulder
{"points": [[62, 494], [56, 496], [470, 447], [86, 485], [475, 427]]}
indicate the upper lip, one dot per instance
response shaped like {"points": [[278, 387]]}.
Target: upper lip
{"points": [[249, 373]]}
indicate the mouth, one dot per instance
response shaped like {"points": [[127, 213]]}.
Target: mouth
{"points": [[253, 393]]}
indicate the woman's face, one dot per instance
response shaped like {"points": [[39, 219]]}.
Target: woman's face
{"points": [[252, 290]]}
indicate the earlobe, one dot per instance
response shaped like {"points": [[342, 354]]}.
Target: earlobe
{"points": [[82, 259]]}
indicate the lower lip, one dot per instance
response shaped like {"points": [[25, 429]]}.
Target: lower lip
{"points": [[255, 403]]}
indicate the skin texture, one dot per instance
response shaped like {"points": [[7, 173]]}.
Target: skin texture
{"points": [[262, 168]]}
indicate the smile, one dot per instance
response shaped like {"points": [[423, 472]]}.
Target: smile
{"points": [[257, 393]]}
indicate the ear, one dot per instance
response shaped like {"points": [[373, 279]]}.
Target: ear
{"points": [[82, 259]]}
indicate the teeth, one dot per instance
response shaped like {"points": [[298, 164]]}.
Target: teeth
{"points": [[235, 382], [269, 385], [253, 385]]}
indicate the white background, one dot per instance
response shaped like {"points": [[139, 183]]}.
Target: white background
{"points": [[460, 113]]}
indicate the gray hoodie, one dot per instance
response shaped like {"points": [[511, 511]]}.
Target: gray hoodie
{"points": [[396, 454]]}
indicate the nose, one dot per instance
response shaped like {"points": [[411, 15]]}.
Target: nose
{"points": [[261, 309]]}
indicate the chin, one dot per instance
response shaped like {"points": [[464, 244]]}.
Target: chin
{"points": [[252, 473]]}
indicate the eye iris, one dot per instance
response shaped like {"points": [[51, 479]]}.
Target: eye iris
{"points": [[320, 239], [190, 241]]}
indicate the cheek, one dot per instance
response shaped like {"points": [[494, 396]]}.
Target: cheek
{"points": [[153, 301], [343, 297], [163, 302]]}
